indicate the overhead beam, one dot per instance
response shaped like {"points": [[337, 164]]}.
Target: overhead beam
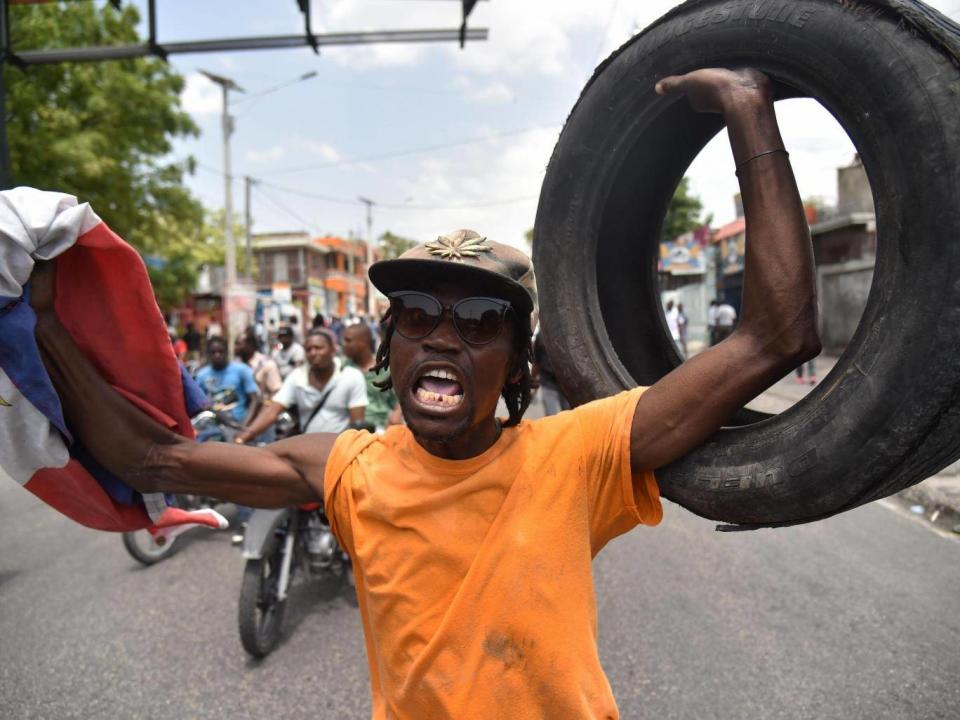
{"points": [[268, 42]]}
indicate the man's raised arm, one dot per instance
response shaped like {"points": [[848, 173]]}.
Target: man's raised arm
{"points": [[150, 457], [778, 326]]}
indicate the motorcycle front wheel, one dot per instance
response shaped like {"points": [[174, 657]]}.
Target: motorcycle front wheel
{"points": [[261, 610], [146, 548]]}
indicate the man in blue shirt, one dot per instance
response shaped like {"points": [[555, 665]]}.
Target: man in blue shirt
{"points": [[227, 383]]}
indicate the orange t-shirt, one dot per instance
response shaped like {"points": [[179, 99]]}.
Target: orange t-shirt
{"points": [[474, 576]]}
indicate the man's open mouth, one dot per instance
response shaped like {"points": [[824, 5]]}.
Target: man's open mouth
{"points": [[438, 388]]}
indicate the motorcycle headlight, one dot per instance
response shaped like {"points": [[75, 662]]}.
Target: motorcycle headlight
{"points": [[203, 420]]}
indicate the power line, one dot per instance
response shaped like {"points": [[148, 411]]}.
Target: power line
{"points": [[283, 208], [603, 36], [409, 151], [397, 206]]}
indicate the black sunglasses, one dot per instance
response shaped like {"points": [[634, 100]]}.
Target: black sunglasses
{"points": [[477, 320]]}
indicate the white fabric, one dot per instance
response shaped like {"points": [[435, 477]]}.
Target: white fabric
{"points": [[726, 315], [28, 440], [36, 225], [673, 322], [712, 316], [289, 358], [349, 391]]}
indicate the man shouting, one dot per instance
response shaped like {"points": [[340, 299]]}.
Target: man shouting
{"points": [[472, 536]]}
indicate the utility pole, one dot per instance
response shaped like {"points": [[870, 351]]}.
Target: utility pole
{"points": [[351, 290], [248, 182], [226, 85], [368, 247]]}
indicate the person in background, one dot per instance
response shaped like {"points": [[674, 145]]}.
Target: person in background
{"points": [[682, 328], [318, 321], [374, 328], [543, 378], [336, 327], [673, 323], [228, 383], [328, 398], [712, 323], [811, 366], [265, 373], [214, 329], [179, 347], [192, 338], [726, 321], [290, 355], [382, 407]]}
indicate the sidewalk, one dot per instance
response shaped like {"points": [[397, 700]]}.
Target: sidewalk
{"points": [[936, 499]]}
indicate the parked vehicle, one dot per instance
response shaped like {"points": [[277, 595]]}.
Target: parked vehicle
{"points": [[277, 545]]}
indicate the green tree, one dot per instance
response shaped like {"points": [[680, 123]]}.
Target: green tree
{"points": [[102, 131], [393, 246], [683, 213]]}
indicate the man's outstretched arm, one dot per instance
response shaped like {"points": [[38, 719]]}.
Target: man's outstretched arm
{"points": [[778, 326], [151, 458]]}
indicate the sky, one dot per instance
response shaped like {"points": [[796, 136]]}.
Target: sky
{"points": [[438, 137]]}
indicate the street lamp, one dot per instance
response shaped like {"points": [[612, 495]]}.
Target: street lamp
{"points": [[227, 124]]}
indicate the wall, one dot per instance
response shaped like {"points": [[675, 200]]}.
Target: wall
{"points": [[853, 190], [843, 291]]}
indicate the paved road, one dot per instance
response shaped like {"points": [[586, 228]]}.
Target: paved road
{"points": [[855, 617]]}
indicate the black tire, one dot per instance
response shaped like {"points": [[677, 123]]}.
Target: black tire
{"points": [[887, 416], [145, 548], [260, 610]]}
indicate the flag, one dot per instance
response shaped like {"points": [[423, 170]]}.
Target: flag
{"points": [[105, 301]]}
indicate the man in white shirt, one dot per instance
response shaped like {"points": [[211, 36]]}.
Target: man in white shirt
{"points": [[328, 398], [726, 319], [712, 322], [290, 354], [673, 323]]}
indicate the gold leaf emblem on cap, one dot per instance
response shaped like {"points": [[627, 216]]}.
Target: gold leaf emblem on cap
{"points": [[458, 246]]}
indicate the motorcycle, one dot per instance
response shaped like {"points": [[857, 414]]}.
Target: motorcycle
{"points": [[149, 548], [214, 425], [277, 545]]}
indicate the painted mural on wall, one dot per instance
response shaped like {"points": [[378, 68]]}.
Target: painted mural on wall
{"points": [[685, 255]]}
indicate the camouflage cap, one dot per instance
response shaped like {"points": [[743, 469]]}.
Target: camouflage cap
{"points": [[461, 255]]}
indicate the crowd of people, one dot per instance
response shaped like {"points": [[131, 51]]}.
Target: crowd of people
{"points": [[328, 383]]}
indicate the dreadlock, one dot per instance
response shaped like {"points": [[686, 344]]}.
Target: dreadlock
{"points": [[516, 395]]}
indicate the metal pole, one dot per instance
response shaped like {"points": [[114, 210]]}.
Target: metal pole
{"points": [[248, 266], [231, 253], [351, 291], [368, 247]]}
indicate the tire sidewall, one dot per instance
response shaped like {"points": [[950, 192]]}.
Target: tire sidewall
{"points": [[893, 93]]}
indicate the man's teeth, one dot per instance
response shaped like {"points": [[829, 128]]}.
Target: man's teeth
{"points": [[432, 397], [442, 375]]}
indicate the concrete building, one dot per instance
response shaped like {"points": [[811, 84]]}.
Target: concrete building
{"points": [[306, 275], [845, 250]]}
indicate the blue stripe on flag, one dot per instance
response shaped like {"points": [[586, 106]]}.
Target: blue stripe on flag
{"points": [[20, 359]]}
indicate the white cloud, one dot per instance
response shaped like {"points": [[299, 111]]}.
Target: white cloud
{"points": [[450, 193], [200, 96], [276, 152], [495, 92], [817, 146], [526, 36], [323, 150]]}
